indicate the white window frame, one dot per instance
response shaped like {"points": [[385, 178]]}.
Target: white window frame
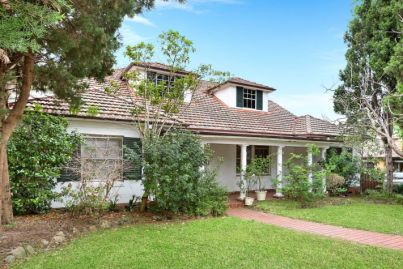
{"points": [[158, 77], [120, 158], [249, 98]]}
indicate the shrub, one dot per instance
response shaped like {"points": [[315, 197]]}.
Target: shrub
{"points": [[87, 199], [298, 186], [398, 189], [173, 174], [343, 164], [256, 169], [37, 151], [334, 184], [94, 189], [383, 196]]}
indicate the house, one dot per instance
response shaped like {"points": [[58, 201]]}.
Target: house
{"points": [[374, 155], [236, 119]]}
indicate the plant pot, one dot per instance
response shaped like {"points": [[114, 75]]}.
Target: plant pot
{"points": [[261, 195], [249, 201]]}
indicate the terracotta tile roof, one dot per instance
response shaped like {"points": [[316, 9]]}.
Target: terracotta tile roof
{"points": [[208, 114], [107, 106], [205, 114]]}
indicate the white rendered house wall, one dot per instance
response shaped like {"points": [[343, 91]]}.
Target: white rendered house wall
{"points": [[228, 96], [124, 189]]}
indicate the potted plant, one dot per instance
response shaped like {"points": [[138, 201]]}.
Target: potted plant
{"points": [[250, 181], [259, 167], [242, 189]]}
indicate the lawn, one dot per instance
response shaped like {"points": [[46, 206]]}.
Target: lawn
{"points": [[353, 212], [212, 243]]}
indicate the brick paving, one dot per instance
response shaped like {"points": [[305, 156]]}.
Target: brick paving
{"points": [[358, 236]]}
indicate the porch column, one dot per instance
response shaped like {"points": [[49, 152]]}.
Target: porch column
{"points": [[323, 158], [309, 157], [203, 167], [243, 165], [279, 186]]}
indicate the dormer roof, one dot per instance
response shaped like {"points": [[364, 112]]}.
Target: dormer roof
{"points": [[154, 66], [236, 81]]}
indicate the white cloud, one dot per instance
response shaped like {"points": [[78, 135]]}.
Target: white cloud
{"points": [[129, 37], [194, 6], [141, 20], [319, 105]]}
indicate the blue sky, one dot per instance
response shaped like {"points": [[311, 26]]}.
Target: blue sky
{"points": [[292, 45]]}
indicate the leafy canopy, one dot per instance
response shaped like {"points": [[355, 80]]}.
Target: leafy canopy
{"points": [[374, 69], [71, 40]]}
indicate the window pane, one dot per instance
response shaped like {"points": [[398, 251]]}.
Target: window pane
{"points": [[102, 158], [249, 97]]}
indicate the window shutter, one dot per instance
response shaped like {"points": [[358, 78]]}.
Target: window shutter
{"points": [[133, 171], [259, 100], [239, 96]]}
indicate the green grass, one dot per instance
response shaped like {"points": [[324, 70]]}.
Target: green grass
{"points": [[354, 213], [212, 243]]}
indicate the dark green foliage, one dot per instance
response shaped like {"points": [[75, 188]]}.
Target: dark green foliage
{"points": [[370, 94], [71, 39], [173, 174], [398, 189], [37, 151], [374, 42], [298, 187], [343, 164], [383, 196]]}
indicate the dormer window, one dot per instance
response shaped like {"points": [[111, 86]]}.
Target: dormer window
{"points": [[249, 98], [159, 78]]}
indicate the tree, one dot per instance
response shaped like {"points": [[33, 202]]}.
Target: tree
{"points": [[159, 104], [38, 149], [369, 96], [51, 45]]}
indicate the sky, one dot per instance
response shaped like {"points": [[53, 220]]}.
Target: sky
{"points": [[293, 46]]}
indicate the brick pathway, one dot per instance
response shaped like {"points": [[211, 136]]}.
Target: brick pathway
{"points": [[358, 236]]}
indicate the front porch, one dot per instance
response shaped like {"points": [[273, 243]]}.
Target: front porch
{"points": [[232, 154]]}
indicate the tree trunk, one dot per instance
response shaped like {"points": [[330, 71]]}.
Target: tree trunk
{"points": [[144, 200], [8, 124], [6, 204], [389, 168]]}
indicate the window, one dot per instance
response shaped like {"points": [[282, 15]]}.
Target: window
{"points": [[164, 79], [102, 158], [262, 151], [251, 152], [249, 98]]}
